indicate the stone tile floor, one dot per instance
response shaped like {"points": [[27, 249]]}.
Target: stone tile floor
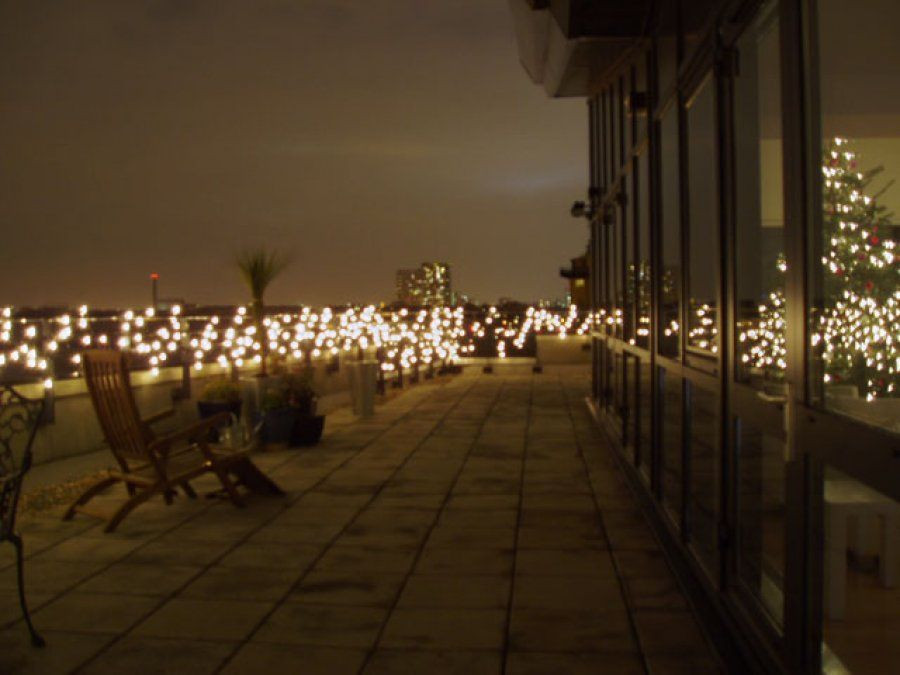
{"points": [[474, 525]]}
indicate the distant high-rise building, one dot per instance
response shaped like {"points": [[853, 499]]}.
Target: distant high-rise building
{"points": [[428, 284]]}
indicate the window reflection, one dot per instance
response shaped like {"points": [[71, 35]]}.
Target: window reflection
{"points": [[703, 220], [669, 318]]}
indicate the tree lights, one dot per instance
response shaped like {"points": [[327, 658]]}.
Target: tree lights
{"points": [[857, 322], [50, 347]]}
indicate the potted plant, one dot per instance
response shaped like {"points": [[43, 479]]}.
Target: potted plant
{"points": [[219, 395], [289, 411], [259, 268]]}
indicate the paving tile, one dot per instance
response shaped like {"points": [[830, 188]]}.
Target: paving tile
{"points": [[277, 659], [465, 561], [580, 631], [459, 536], [174, 552], [92, 549], [669, 632], [683, 664], [407, 661], [550, 537], [63, 653], [337, 587], [455, 591], [445, 628], [94, 613], [367, 559], [483, 502], [272, 556], [298, 623], [49, 576], [385, 535], [140, 579], [586, 562], [469, 518], [242, 583], [10, 611], [655, 593], [636, 564], [152, 656], [537, 663], [568, 593], [290, 533], [224, 620]]}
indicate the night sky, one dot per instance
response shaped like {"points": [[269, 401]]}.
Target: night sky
{"points": [[358, 136]]}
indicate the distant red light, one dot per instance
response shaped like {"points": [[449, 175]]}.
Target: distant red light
{"points": [[154, 276]]}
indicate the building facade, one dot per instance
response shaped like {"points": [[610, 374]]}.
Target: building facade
{"points": [[578, 275], [428, 284], [746, 296]]}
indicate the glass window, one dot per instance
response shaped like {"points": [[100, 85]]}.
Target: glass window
{"points": [[671, 443], [642, 89], [696, 17], [759, 212], [854, 336], [861, 567], [642, 205], [592, 141], [761, 515], [615, 138], [670, 225], [759, 308], [614, 265], [667, 46], [703, 229], [628, 120], [645, 418], [628, 244], [704, 482]]}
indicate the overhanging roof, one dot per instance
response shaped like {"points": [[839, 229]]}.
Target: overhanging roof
{"points": [[567, 45]]}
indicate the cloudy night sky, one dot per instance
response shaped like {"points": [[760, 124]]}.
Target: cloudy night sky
{"points": [[359, 136]]}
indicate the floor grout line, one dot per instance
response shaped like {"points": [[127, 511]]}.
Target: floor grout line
{"points": [[240, 541], [626, 599], [512, 584], [293, 587], [421, 547]]}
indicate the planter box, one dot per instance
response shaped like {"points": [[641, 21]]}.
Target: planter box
{"points": [[291, 426]]}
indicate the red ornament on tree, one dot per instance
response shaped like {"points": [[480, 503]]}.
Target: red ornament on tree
{"points": [[869, 285], [874, 240]]}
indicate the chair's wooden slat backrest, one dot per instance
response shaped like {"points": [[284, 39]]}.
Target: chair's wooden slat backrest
{"points": [[107, 380]]}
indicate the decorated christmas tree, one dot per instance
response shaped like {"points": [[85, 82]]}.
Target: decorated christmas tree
{"points": [[858, 326]]}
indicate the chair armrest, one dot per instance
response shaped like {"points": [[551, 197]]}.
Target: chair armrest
{"points": [[195, 432], [156, 417]]}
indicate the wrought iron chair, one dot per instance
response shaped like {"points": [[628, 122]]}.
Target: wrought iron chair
{"points": [[152, 465], [19, 417]]}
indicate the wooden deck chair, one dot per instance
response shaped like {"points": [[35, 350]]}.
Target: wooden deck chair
{"points": [[152, 465]]}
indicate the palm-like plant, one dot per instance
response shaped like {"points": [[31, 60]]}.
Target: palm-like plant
{"points": [[259, 268]]}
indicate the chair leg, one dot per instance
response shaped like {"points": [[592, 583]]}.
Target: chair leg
{"points": [[188, 490], [36, 639], [229, 487], [89, 494], [128, 507]]}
